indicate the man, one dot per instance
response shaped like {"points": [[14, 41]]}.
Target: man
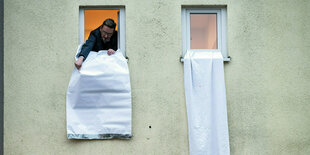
{"points": [[102, 38]]}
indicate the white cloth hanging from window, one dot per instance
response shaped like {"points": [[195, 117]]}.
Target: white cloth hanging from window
{"points": [[206, 103], [99, 98]]}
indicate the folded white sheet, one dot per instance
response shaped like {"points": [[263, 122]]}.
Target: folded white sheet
{"points": [[99, 98]]}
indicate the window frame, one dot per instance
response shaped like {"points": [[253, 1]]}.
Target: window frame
{"points": [[121, 25], [221, 14]]}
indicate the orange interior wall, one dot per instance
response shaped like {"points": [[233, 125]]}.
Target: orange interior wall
{"points": [[94, 18]]}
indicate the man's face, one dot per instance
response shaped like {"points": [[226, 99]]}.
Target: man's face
{"points": [[106, 33]]}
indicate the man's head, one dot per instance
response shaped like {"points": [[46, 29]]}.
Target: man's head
{"points": [[107, 29]]}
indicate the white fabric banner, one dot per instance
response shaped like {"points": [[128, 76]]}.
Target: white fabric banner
{"points": [[206, 103], [99, 98]]}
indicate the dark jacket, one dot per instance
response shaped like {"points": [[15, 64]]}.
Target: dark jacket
{"points": [[95, 43]]}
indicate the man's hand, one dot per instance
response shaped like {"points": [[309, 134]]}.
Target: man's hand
{"points": [[78, 63], [110, 51]]}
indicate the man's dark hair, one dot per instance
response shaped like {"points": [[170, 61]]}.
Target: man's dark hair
{"points": [[109, 23]]}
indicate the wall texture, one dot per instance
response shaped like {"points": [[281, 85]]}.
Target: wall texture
{"points": [[267, 81]]}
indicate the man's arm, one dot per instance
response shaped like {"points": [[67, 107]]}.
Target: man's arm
{"points": [[114, 44], [86, 48]]}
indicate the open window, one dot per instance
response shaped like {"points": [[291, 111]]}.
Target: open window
{"points": [[204, 29], [91, 18]]}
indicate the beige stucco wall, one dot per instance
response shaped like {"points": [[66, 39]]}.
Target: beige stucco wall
{"points": [[267, 81]]}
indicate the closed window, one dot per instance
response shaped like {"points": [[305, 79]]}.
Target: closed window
{"points": [[204, 30]]}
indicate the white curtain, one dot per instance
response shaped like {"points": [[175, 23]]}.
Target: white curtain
{"points": [[99, 98], [206, 103]]}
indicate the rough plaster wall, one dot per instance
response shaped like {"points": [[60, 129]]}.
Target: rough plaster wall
{"points": [[268, 89], [268, 78]]}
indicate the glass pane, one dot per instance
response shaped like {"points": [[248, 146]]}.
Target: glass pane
{"points": [[94, 18], [203, 31]]}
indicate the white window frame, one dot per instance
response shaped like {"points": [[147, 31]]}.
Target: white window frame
{"points": [[221, 29], [121, 26]]}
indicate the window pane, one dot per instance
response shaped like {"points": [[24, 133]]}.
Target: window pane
{"points": [[94, 18], [203, 31]]}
